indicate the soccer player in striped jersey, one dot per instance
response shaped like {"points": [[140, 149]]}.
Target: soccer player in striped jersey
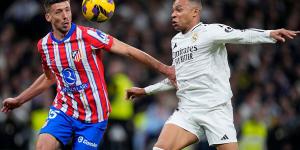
{"points": [[71, 58], [202, 72]]}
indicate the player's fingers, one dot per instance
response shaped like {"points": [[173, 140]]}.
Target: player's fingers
{"points": [[132, 97], [4, 109], [285, 33], [127, 95], [279, 38], [293, 33]]}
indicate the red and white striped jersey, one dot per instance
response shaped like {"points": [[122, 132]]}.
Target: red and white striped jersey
{"points": [[77, 65]]}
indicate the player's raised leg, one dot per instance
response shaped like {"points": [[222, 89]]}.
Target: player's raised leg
{"points": [[47, 142], [173, 137]]}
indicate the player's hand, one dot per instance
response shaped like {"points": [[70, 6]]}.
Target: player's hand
{"points": [[172, 76], [9, 104], [134, 92], [282, 34]]}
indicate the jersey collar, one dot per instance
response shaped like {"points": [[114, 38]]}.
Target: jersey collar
{"points": [[72, 29], [192, 29]]}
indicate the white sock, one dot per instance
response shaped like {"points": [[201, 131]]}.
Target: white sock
{"points": [[156, 148]]}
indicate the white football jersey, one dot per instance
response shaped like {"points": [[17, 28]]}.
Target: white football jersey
{"points": [[200, 60]]}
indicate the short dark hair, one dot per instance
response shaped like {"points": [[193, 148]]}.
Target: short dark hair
{"points": [[47, 3], [198, 2]]}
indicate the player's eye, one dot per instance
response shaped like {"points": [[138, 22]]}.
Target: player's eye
{"points": [[58, 12], [68, 9], [179, 9]]}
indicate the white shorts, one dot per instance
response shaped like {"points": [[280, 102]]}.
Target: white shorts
{"points": [[216, 123]]}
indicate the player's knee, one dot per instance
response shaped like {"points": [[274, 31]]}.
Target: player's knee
{"points": [[163, 145], [46, 142], [157, 148], [40, 145]]}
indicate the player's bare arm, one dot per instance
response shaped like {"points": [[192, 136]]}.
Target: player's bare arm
{"points": [[127, 50], [42, 83], [282, 34]]}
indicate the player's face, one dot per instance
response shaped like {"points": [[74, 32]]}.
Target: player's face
{"points": [[182, 15], [60, 16]]}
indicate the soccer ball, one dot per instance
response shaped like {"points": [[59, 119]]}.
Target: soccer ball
{"points": [[98, 10]]}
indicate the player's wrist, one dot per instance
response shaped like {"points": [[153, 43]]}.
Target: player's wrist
{"points": [[20, 101], [268, 33], [165, 70], [148, 90]]}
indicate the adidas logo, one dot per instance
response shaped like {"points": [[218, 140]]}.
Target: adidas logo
{"points": [[225, 137]]}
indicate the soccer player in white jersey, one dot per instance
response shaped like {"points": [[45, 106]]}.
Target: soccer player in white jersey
{"points": [[202, 72], [71, 58]]}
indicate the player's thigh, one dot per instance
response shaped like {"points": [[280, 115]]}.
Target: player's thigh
{"points": [[47, 142], [219, 126], [58, 125], [173, 137], [227, 146]]}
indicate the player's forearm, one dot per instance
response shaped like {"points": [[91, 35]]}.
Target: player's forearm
{"points": [[134, 53], [226, 34], [164, 85], [149, 61], [38, 86], [250, 36]]}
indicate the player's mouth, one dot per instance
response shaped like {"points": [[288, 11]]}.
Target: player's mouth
{"points": [[66, 23], [174, 24]]}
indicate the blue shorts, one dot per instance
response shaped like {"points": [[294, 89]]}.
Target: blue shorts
{"points": [[64, 128]]}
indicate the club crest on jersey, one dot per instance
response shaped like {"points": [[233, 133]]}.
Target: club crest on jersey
{"points": [[77, 55], [194, 37]]}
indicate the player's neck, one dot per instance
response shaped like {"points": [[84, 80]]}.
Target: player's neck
{"points": [[59, 35], [189, 27]]}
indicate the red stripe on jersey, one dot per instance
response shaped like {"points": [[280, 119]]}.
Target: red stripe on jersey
{"points": [[82, 76], [97, 78], [55, 70], [101, 67], [65, 64], [43, 56], [89, 53]]}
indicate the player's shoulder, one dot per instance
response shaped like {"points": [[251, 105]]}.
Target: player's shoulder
{"points": [[216, 27], [85, 28], [197, 28], [42, 40]]}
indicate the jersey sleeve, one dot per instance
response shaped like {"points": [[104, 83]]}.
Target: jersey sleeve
{"points": [[163, 85], [99, 39], [226, 34], [42, 55]]}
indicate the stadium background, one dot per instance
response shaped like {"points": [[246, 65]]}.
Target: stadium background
{"points": [[265, 78]]}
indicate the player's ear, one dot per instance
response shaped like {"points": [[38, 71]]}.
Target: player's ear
{"points": [[195, 12], [48, 17]]}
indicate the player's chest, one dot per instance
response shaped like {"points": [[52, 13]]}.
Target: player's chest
{"points": [[189, 48], [68, 54]]}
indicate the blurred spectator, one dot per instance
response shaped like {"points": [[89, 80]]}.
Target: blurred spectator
{"points": [[120, 127], [254, 133]]}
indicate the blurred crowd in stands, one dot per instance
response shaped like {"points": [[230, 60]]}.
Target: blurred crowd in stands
{"points": [[265, 78]]}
